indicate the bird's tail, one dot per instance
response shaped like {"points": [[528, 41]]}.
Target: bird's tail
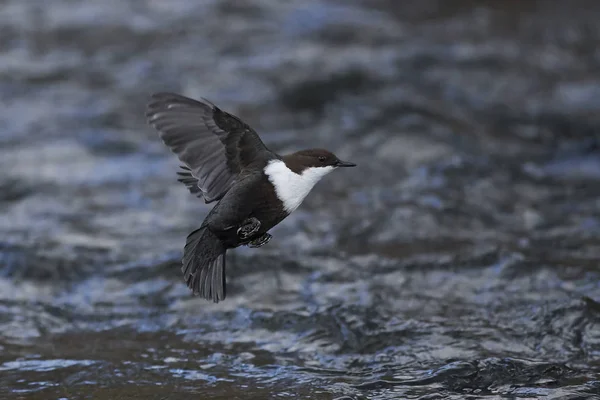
{"points": [[204, 264]]}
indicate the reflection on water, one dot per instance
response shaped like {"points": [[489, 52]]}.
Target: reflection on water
{"points": [[458, 261]]}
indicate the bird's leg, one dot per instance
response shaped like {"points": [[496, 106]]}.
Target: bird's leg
{"points": [[260, 241], [248, 228]]}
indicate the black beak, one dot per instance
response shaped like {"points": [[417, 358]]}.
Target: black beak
{"points": [[345, 164]]}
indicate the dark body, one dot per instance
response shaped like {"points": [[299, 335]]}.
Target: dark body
{"points": [[224, 160], [260, 202]]}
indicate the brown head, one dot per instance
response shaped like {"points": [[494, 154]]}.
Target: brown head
{"points": [[314, 158]]}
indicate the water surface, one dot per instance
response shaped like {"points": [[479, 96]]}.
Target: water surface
{"points": [[458, 261]]}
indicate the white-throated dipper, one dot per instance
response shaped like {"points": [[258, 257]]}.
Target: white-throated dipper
{"points": [[225, 161]]}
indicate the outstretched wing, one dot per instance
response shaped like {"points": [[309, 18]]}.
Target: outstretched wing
{"points": [[213, 144]]}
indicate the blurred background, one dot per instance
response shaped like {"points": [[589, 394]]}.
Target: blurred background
{"points": [[459, 260]]}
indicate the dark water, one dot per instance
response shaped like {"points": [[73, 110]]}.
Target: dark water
{"points": [[459, 261]]}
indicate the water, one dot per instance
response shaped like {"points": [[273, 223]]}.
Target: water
{"points": [[458, 261]]}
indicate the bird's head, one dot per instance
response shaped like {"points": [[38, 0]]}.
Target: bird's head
{"points": [[315, 161]]}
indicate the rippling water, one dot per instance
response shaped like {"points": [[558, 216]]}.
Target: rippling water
{"points": [[458, 261]]}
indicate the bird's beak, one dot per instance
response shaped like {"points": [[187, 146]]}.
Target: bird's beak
{"points": [[345, 164]]}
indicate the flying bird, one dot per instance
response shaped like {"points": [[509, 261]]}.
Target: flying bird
{"points": [[225, 161]]}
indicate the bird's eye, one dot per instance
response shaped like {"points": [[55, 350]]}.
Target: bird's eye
{"points": [[322, 158]]}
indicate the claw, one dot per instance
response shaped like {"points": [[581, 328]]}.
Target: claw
{"points": [[260, 241], [248, 228]]}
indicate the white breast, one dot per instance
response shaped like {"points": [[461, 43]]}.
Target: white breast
{"points": [[292, 188]]}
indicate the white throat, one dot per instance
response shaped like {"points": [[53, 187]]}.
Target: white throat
{"points": [[292, 188]]}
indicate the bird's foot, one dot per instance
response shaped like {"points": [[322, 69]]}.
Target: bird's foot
{"points": [[248, 228], [260, 241]]}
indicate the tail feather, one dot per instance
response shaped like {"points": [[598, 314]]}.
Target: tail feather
{"points": [[204, 264]]}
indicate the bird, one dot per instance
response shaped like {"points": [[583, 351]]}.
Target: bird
{"points": [[225, 161]]}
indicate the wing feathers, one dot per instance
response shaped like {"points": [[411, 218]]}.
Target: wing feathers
{"points": [[214, 145]]}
